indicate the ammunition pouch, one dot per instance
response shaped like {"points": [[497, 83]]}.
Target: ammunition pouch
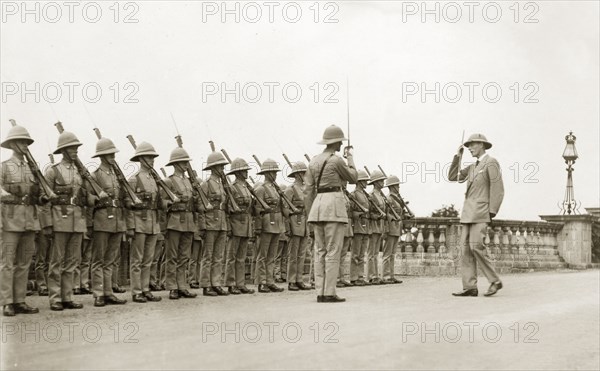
{"points": [[19, 200], [182, 206], [21, 190], [104, 203], [149, 202], [67, 199]]}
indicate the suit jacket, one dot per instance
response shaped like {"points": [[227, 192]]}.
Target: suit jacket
{"points": [[485, 189]]}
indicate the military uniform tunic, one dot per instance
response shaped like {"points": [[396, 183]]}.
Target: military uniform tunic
{"points": [[242, 228], [216, 220], [377, 225], [393, 234], [271, 226], [20, 221], [362, 231], [299, 233]]}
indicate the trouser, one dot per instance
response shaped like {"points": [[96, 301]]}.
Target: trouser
{"points": [[296, 258], [473, 253], [140, 261], [195, 262], [121, 266], [211, 271], [343, 255], [179, 246], [281, 260], [105, 249], [17, 251], [329, 239], [389, 256], [65, 254], [43, 244], [235, 269], [373, 255], [157, 269], [265, 258], [360, 245], [81, 275]]}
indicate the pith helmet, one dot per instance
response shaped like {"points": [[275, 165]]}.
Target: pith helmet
{"points": [[297, 167], [105, 146], [144, 149], [478, 138], [392, 180], [267, 166], [375, 176], [66, 139], [333, 134], [17, 132], [238, 164], [362, 175], [214, 159], [178, 155]]}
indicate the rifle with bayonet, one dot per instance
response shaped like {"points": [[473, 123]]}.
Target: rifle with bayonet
{"points": [[287, 201], [159, 181], [400, 200], [83, 171], [194, 179], [226, 185], [37, 173], [120, 176], [389, 206], [261, 202], [371, 201]]}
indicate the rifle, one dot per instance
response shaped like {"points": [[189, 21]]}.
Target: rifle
{"points": [[164, 173], [400, 200], [348, 194], [120, 176], [226, 185], [160, 182], [389, 206], [82, 170], [194, 179], [35, 169], [262, 203], [371, 201], [280, 192]]}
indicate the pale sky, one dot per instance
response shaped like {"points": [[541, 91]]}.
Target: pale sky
{"points": [[380, 46]]}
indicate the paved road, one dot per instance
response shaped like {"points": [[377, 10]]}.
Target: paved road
{"points": [[539, 321]]}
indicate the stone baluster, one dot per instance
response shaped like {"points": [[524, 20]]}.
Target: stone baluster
{"points": [[442, 239], [514, 240], [506, 236], [522, 240], [496, 240], [530, 241], [408, 248], [420, 248], [431, 240]]}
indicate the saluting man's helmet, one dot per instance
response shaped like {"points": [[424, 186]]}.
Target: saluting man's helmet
{"points": [[268, 166], [105, 146], [297, 167], [375, 176], [178, 155], [214, 159], [362, 175], [333, 134], [16, 132], [238, 164], [144, 149], [392, 180], [66, 139], [478, 138]]}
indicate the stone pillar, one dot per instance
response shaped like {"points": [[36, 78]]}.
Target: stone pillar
{"points": [[574, 239]]}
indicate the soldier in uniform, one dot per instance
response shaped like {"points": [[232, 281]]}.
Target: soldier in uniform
{"points": [[298, 229], [394, 230], [377, 224], [82, 272], [157, 269], [242, 229], [68, 222], [144, 221], [20, 193], [325, 199], [211, 271], [271, 227], [109, 225], [361, 230], [43, 243], [181, 226], [485, 192]]}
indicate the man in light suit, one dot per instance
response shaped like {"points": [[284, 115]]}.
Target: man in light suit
{"points": [[483, 198]]}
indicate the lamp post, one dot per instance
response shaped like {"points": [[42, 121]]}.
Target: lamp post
{"points": [[569, 204]]}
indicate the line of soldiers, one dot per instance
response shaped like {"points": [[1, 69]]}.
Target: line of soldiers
{"points": [[75, 213]]}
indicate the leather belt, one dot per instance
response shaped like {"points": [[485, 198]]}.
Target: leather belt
{"points": [[329, 189]]}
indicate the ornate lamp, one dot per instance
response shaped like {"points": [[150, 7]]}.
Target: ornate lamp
{"points": [[569, 204]]}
